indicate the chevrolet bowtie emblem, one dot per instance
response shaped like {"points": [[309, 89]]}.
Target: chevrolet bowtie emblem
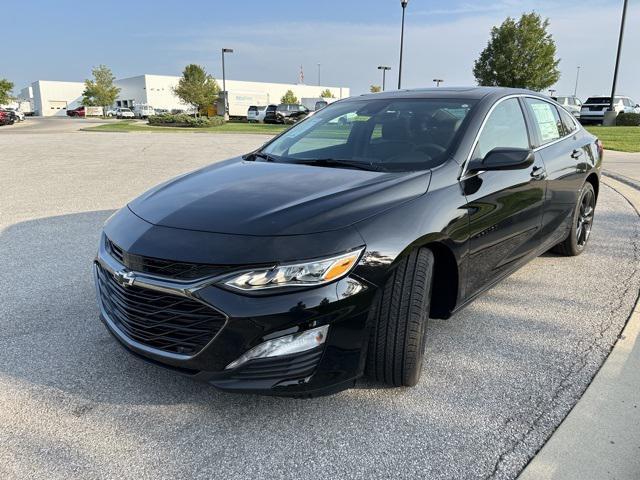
{"points": [[124, 277]]}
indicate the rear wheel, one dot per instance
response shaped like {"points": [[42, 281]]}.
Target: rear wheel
{"points": [[580, 232], [399, 322]]}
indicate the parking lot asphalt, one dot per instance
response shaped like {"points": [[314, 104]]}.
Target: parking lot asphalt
{"points": [[499, 376]]}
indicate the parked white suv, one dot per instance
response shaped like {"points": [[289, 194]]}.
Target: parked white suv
{"points": [[572, 104], [593, 109], [256, 113], [143, 110], [122, 112]]}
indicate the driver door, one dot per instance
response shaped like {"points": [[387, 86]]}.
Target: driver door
{"points": [[505, 207]]}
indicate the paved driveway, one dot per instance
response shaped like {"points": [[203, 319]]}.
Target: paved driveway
{"points": [[499, 378]]}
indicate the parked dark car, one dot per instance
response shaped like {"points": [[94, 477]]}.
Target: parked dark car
{"points": [[77, 112], [319, 257], [285, 113]]}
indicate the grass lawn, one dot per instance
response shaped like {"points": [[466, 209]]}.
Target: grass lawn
{"points": [[133, 126], [622, 139]]}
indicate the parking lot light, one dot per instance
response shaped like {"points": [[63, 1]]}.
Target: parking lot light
{"points": [[438, 81], [404, 6], [224, 85], [609, 117], [384, 69]]}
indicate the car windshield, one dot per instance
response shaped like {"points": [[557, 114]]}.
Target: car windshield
{"points": [[383, 134]]}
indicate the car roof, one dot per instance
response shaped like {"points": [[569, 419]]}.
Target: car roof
{"points": [[476, 93]]}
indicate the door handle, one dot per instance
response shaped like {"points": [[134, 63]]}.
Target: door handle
{"points": [[538, 173], [576, 154]]}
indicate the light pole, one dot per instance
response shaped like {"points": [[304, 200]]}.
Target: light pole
{"points": [[224, 85], [610, 116], [551, 92], [438, 81], [384, 69], [404, 6], [575, 90], [318, 74]]}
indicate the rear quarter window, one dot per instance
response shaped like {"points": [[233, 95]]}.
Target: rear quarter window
{"points": [[546, 119]]}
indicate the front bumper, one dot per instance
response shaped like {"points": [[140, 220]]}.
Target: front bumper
{"points": [[250, 320]]}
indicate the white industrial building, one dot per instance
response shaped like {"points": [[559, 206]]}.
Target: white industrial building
{"points": [[50, 98]]}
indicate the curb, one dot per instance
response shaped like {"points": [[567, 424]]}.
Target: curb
{"points": [[600, 437]]}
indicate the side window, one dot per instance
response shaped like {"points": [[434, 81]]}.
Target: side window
{"points": [[568, 124], [505, 127], [546, 120]]}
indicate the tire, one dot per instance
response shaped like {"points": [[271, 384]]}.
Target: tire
{"points": [[399, 322], [576, 241]]}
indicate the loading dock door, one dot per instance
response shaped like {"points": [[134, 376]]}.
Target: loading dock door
{"points": [[57, 108]]}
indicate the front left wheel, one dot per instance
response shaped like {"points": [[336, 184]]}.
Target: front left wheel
{"points": [[399, 322]]}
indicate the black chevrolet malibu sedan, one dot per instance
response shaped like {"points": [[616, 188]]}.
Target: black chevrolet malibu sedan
{"points": [[319, 257]]}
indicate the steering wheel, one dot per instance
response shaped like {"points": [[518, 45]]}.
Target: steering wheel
{"points": [[431, 149]]}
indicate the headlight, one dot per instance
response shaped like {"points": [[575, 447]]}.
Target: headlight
{"points": [[315, 272]]}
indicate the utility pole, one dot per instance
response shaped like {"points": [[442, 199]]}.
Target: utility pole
{"points": [[575, 90], [318, 74]]}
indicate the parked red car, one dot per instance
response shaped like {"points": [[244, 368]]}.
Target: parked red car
{"points": [[77, 112], [5, 118]]}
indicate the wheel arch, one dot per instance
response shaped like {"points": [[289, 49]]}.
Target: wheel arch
{"points": [[445, 289], [595, 182]]}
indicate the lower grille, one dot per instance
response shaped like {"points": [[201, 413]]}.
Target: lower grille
{"points": [[158, 320], [296, 366]]}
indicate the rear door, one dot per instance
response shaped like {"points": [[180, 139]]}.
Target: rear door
{"points": [[564, 152], [505, 206]]}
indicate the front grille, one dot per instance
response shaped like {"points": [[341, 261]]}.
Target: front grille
{"points": [[291, 367], [159, 320], [164, 268]]}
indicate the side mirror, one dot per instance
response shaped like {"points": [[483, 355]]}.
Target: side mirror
{"points": [[503, 159]]}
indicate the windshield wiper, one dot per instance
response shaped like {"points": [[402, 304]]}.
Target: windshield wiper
{"points": [[264, 156], [336, 162]]}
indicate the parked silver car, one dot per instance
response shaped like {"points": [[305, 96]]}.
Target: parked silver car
{"points": [[593, 109], [570, 103], [256, 113]]}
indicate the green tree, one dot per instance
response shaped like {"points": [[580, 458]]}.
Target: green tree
{"points": [[5, 91], [520, 54], [197, 88], [326, 94], [289, 97], [100, 92], [375, 88]]}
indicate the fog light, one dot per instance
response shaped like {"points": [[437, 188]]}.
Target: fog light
{"points": [[298, 342]]}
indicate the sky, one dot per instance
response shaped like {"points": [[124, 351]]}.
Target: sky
{"points": [[64, 39]]}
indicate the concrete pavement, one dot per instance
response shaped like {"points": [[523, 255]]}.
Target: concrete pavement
{"points": [[623, 166], [600, 438]]}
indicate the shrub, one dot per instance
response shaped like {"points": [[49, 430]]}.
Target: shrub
{"points": [[184, 120], [628, 119]]}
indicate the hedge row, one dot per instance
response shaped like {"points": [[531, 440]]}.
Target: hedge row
{"points": [[628, 119], [184, 120]]}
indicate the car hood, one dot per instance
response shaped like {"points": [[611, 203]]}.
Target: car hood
{"points": [[266, 198]]}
